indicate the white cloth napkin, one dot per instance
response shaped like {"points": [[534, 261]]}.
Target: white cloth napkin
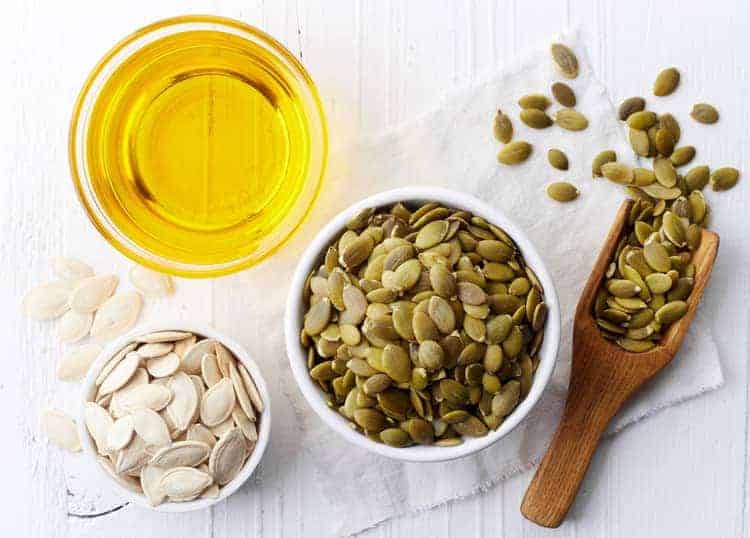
{"points": [[454, 147]]}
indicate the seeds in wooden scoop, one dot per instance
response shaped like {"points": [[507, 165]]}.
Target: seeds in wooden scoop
{"points": [[434, 348]]}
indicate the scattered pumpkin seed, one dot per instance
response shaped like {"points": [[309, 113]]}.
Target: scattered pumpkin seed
{"points": [[564, 94], [704, 113], [630, 106], [666, 82], [562, 191], [570, 119], [515, 152], [502, 127], [565, 60], [535, 118]]}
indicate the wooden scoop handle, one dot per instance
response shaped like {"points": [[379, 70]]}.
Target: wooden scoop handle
{"points": [[599, 385]]}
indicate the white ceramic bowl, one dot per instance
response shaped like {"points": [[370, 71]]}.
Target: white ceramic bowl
{"points": [[264, 429], [295, 309]]}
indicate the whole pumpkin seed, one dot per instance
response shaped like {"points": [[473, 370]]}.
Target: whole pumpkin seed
{"points": [[630, 106], [665, 172], [664, 142], [669, 122], [502, 127], [565, 60], [704, 113], [666, 82], [557, 159], [697, 177], [564, 94], [725, 178], [571, 120], [617, 172], [643, 177], [395, 437], [514, 152], [639, 142], [534, 118], [682, 155], [641, 120], [604, 157], [562, 191], [536, 101], [671, 312]]}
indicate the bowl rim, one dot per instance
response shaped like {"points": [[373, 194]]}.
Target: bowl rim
{"points": [[294, 308], [78, 133], [263, 432]]}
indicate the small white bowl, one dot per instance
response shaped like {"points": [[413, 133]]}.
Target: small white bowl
{"points": [[264, 420], [295, 309]]}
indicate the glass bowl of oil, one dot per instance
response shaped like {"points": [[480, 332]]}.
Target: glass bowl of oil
{"points": [[198, 145]]}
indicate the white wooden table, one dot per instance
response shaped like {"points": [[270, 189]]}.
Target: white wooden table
{"points": [[377, 63]]}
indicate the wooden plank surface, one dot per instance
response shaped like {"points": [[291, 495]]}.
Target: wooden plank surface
{"points": [[379, 63]]}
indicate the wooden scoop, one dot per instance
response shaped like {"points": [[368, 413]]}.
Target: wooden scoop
{"points": [[603, 377]]}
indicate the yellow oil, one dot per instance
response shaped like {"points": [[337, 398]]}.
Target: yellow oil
{"points": [[198, 147]]}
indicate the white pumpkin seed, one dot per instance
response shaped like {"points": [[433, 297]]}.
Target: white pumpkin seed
{"points": [[210, 370], [150, 395], [70, 268], [227, 456], [222, 428], [181, 454], [116, 315], [120, 433], [114, 361], [224, 358], [198, 432], [133, 457], [150, 283], [157, 349], [184, 400], [151, 427], [98, 422], [116, 407], [252, 390], [163, 366], [74, 326], [217, 403], [191, 362], [184, 483], [200, 390], [245, 424], [128, 482], [120, 374], [243, 399], [91, 293], [76, 362], [46, 301], [151, 476], [164, 336], [61, 430], [181, 346]]}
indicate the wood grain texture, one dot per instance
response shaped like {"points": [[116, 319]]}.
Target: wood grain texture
{"points": [[377, 64], [602, 379]]}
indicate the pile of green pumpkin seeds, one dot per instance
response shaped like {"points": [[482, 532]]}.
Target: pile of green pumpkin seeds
{"points": [[423, 325], [651, 275]]}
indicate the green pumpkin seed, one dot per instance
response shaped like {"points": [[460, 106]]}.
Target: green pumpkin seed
{"points": [[396, 363], [535, 101], [671, 312], [514, 153], [669, 122], [622, 288], [665, 172], [697, 177], [664, 142], [642, 120], [557, 159], [666, 82], [562, 191], [704, 113], [661, 192], [471, 427], [395, 437], [565, 60], [635, 346], [604, 157], [370, 420], [682, 155], [698, 207], [536, 119], [630, 106], [502, 127], [571, 120], [658, 283], [725, 178], [617, 173], [564, 94], [506, 400], [639, 141]]}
